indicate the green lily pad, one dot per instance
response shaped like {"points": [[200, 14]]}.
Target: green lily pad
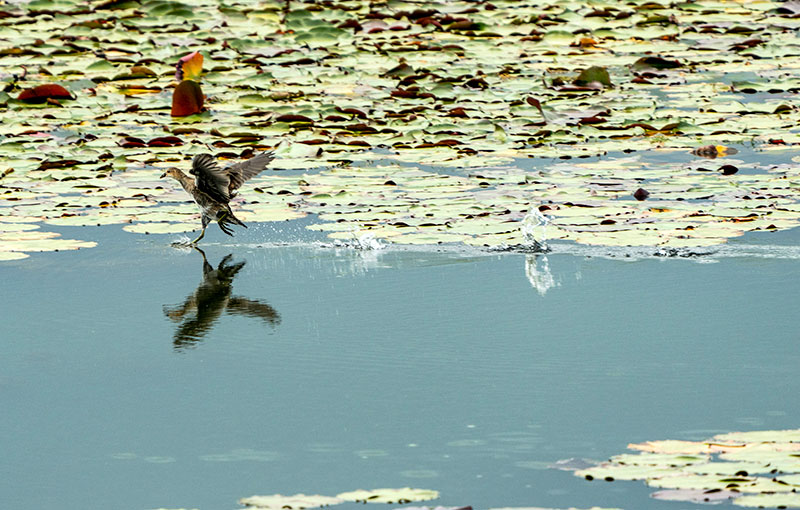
{"points": [[759, 468], [759, 436], [294, 502], [12, 255], [547, 508], [487, 106], [160, 228], [701, 496], [782, 500], [17, 227], [39, 245], [404, 495]]}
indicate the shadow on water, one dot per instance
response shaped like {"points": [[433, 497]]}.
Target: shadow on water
{"points": [[201, 309]]}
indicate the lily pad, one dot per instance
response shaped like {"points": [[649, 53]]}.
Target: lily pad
{"points": [[782, 500], [294, 502], [404, 495], [549, 508], [39, 245], [12, 255], [187, 99], [758, 468], [696, 495], [484, 102], [159, 228]]}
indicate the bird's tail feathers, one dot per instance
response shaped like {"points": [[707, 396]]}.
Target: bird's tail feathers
{"points": [[226, 219]]}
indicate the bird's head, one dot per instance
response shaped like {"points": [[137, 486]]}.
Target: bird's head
{"points": [[173, 172]]}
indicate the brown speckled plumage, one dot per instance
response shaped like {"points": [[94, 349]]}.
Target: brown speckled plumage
{"points": [[213, 187]]}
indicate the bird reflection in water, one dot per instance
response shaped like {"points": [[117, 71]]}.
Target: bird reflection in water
{"points": [[204, 306]]}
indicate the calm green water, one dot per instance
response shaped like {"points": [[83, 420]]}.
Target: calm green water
{"points": [[338, 369]]}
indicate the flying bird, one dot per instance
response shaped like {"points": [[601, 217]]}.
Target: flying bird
{"points": [[213, 187]]}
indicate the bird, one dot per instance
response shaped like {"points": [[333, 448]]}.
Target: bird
{"points": [[213, 187]]}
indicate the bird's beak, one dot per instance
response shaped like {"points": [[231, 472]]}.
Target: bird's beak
{"points": [[163, 175]]}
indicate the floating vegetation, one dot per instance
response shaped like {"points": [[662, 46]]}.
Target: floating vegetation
{"points": [[295, 502], [752, 469], [301, 501], [541, 508], [415, 125], [404, 495]]}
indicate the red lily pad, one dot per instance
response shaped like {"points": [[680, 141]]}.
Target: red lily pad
{"points": [[294, 118], [42, 93], [655, 63], [132, 141], [165, 141], [187, 99]]}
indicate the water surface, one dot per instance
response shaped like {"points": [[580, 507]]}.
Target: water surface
{"points": [[131, 380]]}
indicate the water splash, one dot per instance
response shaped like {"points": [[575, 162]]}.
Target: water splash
{"points": [[366, 242], [537, 270], [534, 230], [182, 243]]}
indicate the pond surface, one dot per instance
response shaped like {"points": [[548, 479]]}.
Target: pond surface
{"points": [[320, 370]]}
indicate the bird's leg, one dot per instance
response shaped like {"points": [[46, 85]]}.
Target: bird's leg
{"points": [[202, 233], [207, 268]]}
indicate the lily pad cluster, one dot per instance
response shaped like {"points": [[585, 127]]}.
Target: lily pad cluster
{"points": [[302, 501], [751, 469], [415, 122]]}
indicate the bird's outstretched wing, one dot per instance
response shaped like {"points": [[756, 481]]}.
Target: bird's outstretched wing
{"points": [[210, 178], [238, 173], [253, 308]]}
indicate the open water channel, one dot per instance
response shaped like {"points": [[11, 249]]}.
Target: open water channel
{"points": [[129, 380]]}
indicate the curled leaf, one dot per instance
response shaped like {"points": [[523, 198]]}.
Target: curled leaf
{"points": [[189, 67], [594, 74], [187, 99]]}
